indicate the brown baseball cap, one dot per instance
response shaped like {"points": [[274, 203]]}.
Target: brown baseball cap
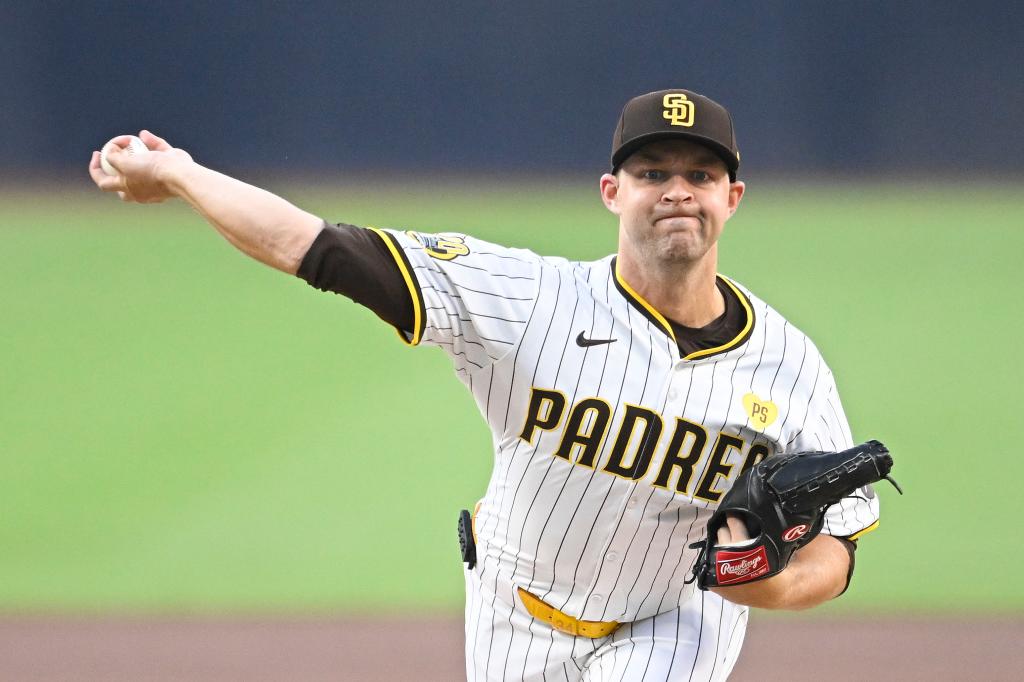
{"points": [[675, 114]]}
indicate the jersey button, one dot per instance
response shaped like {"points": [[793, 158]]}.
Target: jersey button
{"points": [[673, 394], [597, 598], [611, 556], [631, 502]]}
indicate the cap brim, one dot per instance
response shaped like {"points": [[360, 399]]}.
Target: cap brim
{"points": [[720, 150]]}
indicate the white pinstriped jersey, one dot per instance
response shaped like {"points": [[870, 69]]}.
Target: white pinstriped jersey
{"points": [[610, 457]]}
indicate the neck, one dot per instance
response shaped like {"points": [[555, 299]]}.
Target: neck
{"points": [[685, 293]]}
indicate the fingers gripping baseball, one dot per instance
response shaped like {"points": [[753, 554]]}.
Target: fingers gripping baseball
{"points": [[155, 144], [137, 168]]}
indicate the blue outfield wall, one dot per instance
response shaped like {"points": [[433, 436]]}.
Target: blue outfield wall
{"points": [[343, 86]]}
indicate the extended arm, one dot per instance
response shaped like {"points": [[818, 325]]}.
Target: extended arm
{"points": [[258, 223]]}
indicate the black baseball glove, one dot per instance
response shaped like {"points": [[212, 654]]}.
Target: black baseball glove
{"points": [[782, 501]]}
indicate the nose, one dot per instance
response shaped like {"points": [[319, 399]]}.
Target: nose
{"points": [[677, 190]]}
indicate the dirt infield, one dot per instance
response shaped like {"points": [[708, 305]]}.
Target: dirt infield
{"points": [[46, 649]]}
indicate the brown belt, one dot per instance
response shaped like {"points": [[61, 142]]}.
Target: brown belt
{"points": [[563, 622]]}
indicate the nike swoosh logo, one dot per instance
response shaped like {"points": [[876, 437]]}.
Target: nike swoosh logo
{"points": [[584, 342]]}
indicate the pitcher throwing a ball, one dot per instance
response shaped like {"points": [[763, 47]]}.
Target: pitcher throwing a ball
{"points": [[626, 397]]}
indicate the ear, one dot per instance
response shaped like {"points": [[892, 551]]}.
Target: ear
{"points": [[736, 190], [610, 192]]}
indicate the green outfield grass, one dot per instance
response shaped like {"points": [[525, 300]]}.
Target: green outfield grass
{"points": [[182, 429]]}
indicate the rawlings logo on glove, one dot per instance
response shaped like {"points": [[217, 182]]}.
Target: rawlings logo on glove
{"points": [[739, 567], [782, 502]]}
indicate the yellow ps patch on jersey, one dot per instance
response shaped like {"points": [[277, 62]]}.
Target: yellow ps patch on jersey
{"points": [[762, 413], [442, 246]]}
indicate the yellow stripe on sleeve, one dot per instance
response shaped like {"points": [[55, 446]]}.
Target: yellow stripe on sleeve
{"points": [[864, 531], [410, 283]]}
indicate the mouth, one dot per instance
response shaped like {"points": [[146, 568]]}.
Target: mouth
{"points": [[680, 218]]}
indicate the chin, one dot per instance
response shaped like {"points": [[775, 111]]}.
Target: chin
{"points": [[681, 251]]}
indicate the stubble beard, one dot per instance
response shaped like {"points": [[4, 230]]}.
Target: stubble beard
{"points": [[673, 251]]}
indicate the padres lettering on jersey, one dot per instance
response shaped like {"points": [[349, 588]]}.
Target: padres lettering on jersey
{"points": [[611, 449], [548, 407]]}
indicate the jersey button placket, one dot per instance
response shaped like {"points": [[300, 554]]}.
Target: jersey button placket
{"points": [[674, 381]]}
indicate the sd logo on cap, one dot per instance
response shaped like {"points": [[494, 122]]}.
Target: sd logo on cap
{"points": [[675, 113]]}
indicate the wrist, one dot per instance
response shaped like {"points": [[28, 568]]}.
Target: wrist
{"points": [[770, 593], [173, 170], [816, 574]]}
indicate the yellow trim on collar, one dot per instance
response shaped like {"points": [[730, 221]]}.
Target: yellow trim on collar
{"points": [[863, 532], [735, 339], [647, 306], [668, 327], [407, 276]]}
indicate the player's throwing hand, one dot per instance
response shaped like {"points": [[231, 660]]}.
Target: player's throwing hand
{"points": [[140, 177]]}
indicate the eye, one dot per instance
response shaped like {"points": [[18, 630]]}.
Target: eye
{"points": [[653, 175], [701, 176]]}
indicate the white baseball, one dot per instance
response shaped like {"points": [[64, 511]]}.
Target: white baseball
{"points": [[135, 146]]}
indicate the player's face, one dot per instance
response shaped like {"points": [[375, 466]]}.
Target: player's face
{"points": [[673, 198]]}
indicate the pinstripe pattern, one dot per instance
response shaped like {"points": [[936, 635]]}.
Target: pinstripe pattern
{"points": [[597, 545]]}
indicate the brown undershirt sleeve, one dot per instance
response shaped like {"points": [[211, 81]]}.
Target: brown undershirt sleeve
{"points": [[355, 262]]}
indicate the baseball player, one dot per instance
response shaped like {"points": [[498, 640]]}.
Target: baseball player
{"points": [[624, 395]]}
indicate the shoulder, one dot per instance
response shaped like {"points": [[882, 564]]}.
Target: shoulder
{"points": [[566, 279], [451, 246], [774, 325], [586, 269], [456, 249]]}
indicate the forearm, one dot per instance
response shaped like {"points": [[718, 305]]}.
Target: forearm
{"points": [[258, 223], [816, 573]]}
